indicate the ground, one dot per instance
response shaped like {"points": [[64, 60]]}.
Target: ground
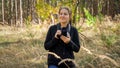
{"points": [[23, 47]]}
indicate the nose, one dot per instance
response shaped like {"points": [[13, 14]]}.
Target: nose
{"points": [[62, 14]]}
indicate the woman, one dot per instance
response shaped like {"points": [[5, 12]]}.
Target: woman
{"points": [[62, 39]]}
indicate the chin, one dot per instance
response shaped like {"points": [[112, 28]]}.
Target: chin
{"points": [[63, 21]]}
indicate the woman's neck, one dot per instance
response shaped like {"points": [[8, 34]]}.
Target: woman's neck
{"points": [[63, 24]]}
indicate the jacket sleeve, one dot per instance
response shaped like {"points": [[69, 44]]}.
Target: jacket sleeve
{"points": [[50, 41], [74, 44]]}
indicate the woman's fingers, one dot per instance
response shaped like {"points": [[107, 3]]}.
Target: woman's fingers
{"points": [[65, 39], [58, 32]]}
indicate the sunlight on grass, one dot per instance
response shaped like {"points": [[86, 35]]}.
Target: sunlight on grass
{"points": [[23, 47]]}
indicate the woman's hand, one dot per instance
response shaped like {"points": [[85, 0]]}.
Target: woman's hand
{"points": [[65, 39], [58, 32]]}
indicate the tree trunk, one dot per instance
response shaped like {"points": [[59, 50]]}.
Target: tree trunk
{"points": [[75, 12], [21, 11], [11, 12], [95, 7], [111, 8], [16, 12], [28, 8], [3, 11]]}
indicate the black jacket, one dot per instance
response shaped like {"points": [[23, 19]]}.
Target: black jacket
{"points": [[58, 47]]}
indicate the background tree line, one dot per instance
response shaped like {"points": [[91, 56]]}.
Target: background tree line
{"points": [[17, 12]]}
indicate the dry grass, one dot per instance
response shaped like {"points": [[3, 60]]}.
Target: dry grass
{"points": [[23, 48]]}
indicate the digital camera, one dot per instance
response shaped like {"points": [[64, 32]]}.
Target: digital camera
{"points": [[63, 32]]}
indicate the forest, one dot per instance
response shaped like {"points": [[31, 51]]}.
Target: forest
{"points": [[24, 25]]}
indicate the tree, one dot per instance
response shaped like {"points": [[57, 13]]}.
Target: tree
{"points": [[16, 11], [3, 11], [21, 12]]}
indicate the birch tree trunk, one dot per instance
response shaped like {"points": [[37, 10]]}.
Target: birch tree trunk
{"points": [[16, 11], [21, 11], [28, 8], [11, 12], [3, 11]]}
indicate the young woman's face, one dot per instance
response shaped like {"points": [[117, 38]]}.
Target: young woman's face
{"points": [[64, 16]]}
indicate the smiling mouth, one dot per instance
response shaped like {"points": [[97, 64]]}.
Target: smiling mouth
{"points": [[62, 18]]}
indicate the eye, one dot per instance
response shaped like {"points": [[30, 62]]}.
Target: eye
{"points": [[63, 13]]}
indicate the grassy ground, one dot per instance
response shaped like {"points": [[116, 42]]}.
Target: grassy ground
{"points": [[23, 47]]}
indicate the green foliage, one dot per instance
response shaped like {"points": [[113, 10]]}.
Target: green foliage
{"points": [[79, 29], [77, 17], [44, 10], [90, 19]]}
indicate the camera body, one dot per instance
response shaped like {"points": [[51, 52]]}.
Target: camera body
{"points": [[63, 32]]}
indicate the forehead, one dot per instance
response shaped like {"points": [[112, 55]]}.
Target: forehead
{"points": [[63, 11]]}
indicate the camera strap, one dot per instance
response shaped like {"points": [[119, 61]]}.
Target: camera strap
{"points": [[58, 26], [68, 27]]}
